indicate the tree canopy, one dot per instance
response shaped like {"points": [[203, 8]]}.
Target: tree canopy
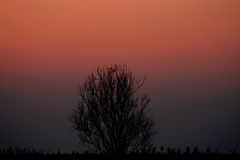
{"points": [[110, 116]]}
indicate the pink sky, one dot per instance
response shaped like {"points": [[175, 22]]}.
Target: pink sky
{"points": [[44, 36], [187, 47]]}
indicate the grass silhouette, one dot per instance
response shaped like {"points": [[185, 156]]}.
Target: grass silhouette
{"points": [[163, 154]]}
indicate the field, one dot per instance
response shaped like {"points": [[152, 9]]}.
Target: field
{"points": [[41, 155]]}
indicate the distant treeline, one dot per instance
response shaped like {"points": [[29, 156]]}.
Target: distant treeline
{"points": [[162, 151], [162, 154]]}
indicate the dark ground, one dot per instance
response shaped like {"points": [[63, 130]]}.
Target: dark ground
{"points": [[164, 154], [154, 156]]}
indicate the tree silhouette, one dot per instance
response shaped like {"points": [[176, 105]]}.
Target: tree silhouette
{"points": [[110, 117]]}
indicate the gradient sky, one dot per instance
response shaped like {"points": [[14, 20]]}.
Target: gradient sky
{"points": [[188, 50]]}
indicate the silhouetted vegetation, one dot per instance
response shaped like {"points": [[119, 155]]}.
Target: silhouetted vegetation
{"points": [[110, 117], [163, 154]]}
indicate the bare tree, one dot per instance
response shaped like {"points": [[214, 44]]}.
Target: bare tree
{"points": [[110, 117]]}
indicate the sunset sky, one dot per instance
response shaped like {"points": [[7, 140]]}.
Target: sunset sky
{"points": [[189, 51]]}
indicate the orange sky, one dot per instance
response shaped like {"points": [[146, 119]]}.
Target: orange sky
{"points": [[188, 49], [62, 37]]}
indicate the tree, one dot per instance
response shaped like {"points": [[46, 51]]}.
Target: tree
{"points": [[110, 117]]}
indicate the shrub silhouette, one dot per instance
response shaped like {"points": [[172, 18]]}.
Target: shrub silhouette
{"points": [[110, 117]]}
